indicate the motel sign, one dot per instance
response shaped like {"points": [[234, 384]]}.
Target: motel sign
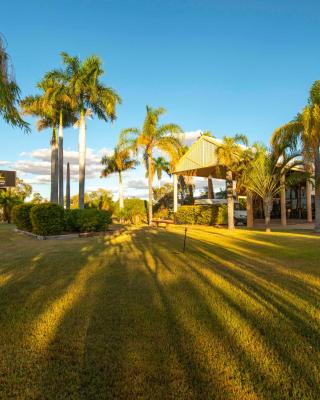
{"points": [[7, 179]]}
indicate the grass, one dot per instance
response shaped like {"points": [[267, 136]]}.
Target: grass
{"points": [[235, 317]]}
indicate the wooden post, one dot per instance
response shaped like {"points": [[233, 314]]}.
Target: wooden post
{"points": [[309, 201], [283, 202]]}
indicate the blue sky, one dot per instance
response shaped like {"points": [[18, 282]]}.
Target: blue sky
{"points": [[224, 66]]}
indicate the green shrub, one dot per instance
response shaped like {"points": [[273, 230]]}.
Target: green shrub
{"points": [[93, 220], [21, 216], [161, 213], [202, 215], [47, 219], [71, 220], [134, 211]]}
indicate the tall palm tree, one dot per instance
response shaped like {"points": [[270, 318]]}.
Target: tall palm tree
{"points": [[159, 165], [229, 154], [88, 96], [303, 132], [118, 162], [151, 136], [263, 175], [56, 95], [48, 110], [9, 91], [36, 106]]}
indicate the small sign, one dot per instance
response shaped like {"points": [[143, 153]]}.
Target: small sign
{"points": [[7, 179]]}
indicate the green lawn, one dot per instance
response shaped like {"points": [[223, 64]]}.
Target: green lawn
{"points": [[235, 317]]}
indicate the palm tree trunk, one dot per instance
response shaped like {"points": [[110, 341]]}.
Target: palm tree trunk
{"points": [[159, 174], [249, 210], [61, 194], [68, 187], [317, 188], [82, 158], [54, 167], [120, 192], [210, 189], [230, 202], [267, 205], [309, 201], [150, 188], [283, 202]]}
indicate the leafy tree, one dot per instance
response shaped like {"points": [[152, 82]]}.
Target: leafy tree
{"points": [[133, 211], [118, 162], [12, 196], [37, 198], [100, 199], [229, 154], [89, 97], [22, 189], [303, 134], [163, 198], [9, 91], [151, 136], [8, 199]]}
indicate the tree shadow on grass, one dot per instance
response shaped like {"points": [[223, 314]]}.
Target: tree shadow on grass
{"points": [[134, 318], [285, 316]]}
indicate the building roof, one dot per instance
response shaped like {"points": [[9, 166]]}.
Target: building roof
{"points": [[200, 159]]}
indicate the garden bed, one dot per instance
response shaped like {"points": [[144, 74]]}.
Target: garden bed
{"points": [[113, 230]]}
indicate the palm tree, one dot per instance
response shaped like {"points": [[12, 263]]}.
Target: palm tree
{"points": [[9, 91], [56, 95], [53, 107], [165, 138], [118, 162], [88, 96], [264, 174], [303, 132], [36, 106], [229, 154], [159, 165]]}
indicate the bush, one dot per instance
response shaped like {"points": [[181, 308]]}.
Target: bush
{"points": [[202, 215], [161, 213], [93, 220], [47, 219], [21, 216], [134, 211], [71, 220]]}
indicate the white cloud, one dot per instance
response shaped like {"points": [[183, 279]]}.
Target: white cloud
{"points": [[137, 184], [36, 165], [3, 162], [192, 136]]}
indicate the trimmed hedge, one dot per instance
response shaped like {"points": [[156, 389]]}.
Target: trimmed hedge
{"points": [[134, 211], [51, 219], [21, 216], [47, 219], [93, 220], [71, 220], [203, 215]]}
